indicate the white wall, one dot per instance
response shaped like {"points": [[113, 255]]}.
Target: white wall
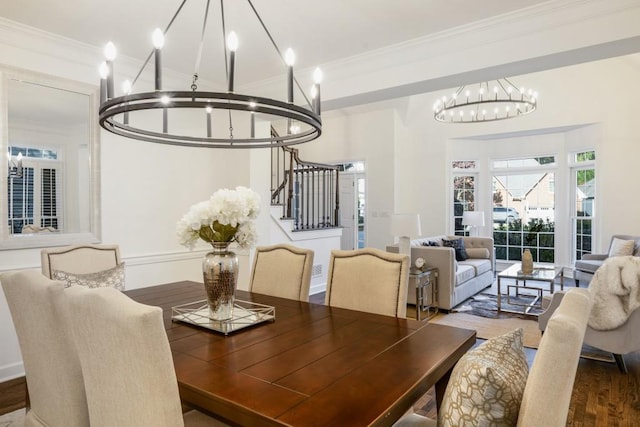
{"points": [[408, 153], [146, 188], [367, 136]]}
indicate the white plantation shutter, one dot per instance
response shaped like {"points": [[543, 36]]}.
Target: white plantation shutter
{"points": [[21, 200], [35, 197], [49, 198]]}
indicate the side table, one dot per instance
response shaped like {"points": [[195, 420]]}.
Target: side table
{"points": [[426, 285]]}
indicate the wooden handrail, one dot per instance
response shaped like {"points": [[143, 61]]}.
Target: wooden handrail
{"points": [[312, 197]]}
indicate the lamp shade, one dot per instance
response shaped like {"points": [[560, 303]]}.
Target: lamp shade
{"points": [[473, 218], [405, 225]]}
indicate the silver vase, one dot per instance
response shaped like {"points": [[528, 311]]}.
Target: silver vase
{"points": [[220, 272]]}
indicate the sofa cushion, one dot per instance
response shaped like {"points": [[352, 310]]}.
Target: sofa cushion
{"points": [[458, 246], [487, 384], [479, 253], [479, 265], [464, 272], [590, 266], [620, 247]]}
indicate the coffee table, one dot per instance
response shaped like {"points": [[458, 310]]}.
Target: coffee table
{"points": [[542, 274]]}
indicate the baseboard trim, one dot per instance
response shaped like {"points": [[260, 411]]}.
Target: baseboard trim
{"points": [[10, 372], [316, 289]]}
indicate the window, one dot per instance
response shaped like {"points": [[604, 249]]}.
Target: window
{"points": [[34, 197], [524, 208], [464, 193], [583, 178], [543, 200]]}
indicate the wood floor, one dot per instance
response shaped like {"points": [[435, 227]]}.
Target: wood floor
{"points": [[12, 395], [602, 396]]}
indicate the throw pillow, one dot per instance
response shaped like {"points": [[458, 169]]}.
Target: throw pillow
{"points": [[112, 278], [620, 247], [487, 384], [478, 253], [458, 246], [430, 243]]}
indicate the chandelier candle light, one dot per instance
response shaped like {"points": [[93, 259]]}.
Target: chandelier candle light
{"points": [[117, 113], [226, 217], [493, 100]]}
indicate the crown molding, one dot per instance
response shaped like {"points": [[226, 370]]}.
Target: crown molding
{"points": [[45, 52], [547, 31]]}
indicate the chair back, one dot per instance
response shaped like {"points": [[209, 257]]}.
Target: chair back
{"points": [[79, 259], [283, 271], [547, 393], [368, 280], [54, 378], [126, 360]]}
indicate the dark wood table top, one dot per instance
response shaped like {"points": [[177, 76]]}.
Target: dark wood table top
{"points": [[313, 366]]}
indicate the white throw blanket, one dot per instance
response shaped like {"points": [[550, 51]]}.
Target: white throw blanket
{"points": [[616, 292]]}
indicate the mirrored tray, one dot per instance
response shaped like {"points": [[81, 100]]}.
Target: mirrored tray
{"points": [[245, 314]]}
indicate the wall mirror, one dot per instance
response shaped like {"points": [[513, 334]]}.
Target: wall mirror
{"points": [[50, 169]]}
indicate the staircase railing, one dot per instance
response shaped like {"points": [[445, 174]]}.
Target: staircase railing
{"points": [[307, 191]]}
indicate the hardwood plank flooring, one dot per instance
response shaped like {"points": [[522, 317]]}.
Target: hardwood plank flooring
{"points": [[602, 396], [13, 395]]}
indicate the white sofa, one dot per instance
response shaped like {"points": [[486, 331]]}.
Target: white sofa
{"points": [[457, 280]]}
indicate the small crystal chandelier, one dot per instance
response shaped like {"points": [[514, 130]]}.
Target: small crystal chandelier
{"points": [[117, 114], [493, 100]]}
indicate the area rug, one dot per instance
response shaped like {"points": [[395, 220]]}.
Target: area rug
{"points": [[486, 305], [488, 328]]}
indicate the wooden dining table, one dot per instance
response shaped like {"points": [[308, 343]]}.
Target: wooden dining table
{"points": [[313, 365]]}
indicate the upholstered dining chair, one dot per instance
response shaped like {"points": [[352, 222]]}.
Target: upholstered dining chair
{"points": [[54, 379], [283, 271], [368, 280], [126, 361], [546, 395], [95, 265]]}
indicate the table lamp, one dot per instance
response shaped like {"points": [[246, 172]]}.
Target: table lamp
{"points": [[405, 226], [474, 219]]}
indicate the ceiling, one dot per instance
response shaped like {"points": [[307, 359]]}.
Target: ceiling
{"points": [[319, 31]]}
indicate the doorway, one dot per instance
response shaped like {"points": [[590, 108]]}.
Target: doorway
{"points": [[352, 205]]}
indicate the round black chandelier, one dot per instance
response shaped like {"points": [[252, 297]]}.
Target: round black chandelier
{"points": [[120, 114], [492, 100]]}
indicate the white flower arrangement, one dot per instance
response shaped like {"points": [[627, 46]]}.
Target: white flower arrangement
{"points": [[226, 217]]}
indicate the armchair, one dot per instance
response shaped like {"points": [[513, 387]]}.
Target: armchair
{"points": [[584, 268], [620, 341], [615, 317]]}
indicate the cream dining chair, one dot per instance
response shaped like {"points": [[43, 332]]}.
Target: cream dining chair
{"points": [[54, 379], [368, 280], [90, 265], [126, 361], [546, 396], [283, 271], [79, 259]]}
